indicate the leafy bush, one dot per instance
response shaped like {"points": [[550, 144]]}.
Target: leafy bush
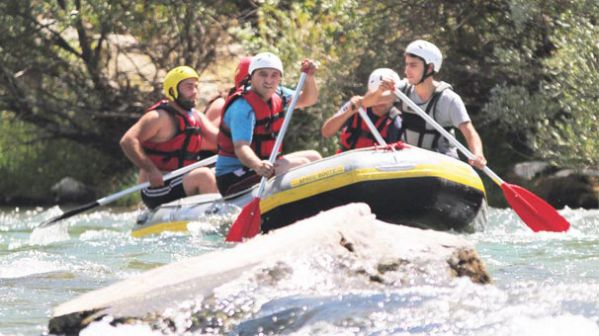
{"points": [[32, 165]]}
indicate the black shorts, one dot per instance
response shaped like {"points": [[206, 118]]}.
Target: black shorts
{"points": [[234, 182], [172, 190]]}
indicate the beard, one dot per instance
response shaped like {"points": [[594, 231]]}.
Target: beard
{"points": [[186, 104]]}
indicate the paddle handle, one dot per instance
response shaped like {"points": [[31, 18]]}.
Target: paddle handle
{"points": [[174, 173], [287, 119], [371, 127], [446, 134]]}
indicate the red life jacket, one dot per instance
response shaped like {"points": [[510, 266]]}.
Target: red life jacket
{"points": [[357, 134], [269, 119], [183, 149]]}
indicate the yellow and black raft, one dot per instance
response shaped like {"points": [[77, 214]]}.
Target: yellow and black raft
{"points": [[408, 186]]}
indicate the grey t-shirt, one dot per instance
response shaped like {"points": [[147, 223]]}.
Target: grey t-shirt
{"points": [[449, 112]]}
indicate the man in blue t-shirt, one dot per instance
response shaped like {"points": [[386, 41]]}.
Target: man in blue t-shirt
{"points": [[252, 118]]}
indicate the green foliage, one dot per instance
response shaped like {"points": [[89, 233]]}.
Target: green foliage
{"points": [[81, 72], [30, 165], [513, 110], [74, 75], [571, 138], [551, 115], [85, 70]]}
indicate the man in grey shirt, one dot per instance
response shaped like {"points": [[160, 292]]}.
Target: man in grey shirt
{"points": [[423, 59]]}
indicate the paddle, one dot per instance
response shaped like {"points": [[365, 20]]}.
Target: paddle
{"points": [[534, 211], [247, 223], [115, 196]]}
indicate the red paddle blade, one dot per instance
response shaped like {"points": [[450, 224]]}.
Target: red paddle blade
{"points": [[534, 211], [247, 223]]}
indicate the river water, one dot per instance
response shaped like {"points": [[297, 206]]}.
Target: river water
{"points": [[544, 283]]}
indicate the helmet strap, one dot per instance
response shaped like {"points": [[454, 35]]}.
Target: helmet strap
{"points": [[426, 73], [245, 82]]}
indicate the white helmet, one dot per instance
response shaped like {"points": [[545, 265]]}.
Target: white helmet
{"points": [[428, 52], [266, 60], [376, 77]]}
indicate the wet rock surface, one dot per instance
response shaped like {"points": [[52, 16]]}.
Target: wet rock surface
{"points": [[337, 252]]}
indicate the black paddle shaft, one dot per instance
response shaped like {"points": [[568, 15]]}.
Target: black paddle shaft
{"points": [[70, 213]]}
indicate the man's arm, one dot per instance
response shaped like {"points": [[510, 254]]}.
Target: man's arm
{"points": [[383, 94], [332, 125], [213, 112], [209, 132], [246, 155], [146, 128], [474, 144], [309, 95], [241, 120]]}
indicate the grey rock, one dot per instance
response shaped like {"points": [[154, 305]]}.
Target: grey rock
{"points": [[530, 169], [571, 188], [583, 172], [346, 245], [70, 190]]}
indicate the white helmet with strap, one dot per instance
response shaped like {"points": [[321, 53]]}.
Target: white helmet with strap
{"points": [[266, 60], [377, 76], [428, 52]]}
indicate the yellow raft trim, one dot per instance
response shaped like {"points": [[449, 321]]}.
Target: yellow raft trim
{"points": [[455, 173], [319, 175], [178, 226], [334, 178]]}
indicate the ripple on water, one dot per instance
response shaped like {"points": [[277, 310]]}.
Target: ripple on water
{"points": [[30, 264]]}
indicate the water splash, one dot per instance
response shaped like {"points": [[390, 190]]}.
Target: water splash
{"points": [[104, 327], [49, 234], [28, 265]]}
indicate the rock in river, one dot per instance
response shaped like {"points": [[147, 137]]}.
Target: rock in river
{"points": [[342, 249]]}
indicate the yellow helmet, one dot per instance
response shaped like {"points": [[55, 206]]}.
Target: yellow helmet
{"points": [[174, 77]]}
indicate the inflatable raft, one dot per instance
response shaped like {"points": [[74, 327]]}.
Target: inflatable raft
{"points": [[402, 185]]}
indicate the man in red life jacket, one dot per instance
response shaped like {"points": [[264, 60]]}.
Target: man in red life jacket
{"points": [[354, 131], [170, 135], [252, 118]]}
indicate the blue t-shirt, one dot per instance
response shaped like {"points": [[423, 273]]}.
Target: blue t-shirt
{"points": [[241, 119]]}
